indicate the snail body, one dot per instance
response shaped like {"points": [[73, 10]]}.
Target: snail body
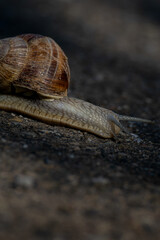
{"points": [[34, 78]]}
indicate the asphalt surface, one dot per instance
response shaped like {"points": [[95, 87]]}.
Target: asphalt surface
{"points": [[63, 184]]}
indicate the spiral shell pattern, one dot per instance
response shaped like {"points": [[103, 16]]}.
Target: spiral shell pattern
{"points": [[33, 62]]}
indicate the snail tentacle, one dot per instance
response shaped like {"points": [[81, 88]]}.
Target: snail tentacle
{"points": [[117, 123], [134, 119]]}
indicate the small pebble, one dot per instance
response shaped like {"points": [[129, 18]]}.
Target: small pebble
{"points": [[136, 138], [24, 181], [100, 180], [25, 146], [71, 156], [3, 140]]}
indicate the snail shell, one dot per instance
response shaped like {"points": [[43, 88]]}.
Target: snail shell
{"points": [[34, 63]]}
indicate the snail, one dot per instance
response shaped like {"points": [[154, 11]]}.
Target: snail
{"points": [[34, 78]]}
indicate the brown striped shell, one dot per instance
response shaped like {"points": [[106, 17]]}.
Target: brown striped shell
{"points": [[33, 63]]}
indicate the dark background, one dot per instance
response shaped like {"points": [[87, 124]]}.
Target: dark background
{"points": [[59, 183]]}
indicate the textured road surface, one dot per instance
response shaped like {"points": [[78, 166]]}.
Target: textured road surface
{"points": [[63, 184]]}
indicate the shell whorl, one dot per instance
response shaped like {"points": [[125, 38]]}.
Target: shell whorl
{"points": [[33, 62], [4, 48], [11, 61]]}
